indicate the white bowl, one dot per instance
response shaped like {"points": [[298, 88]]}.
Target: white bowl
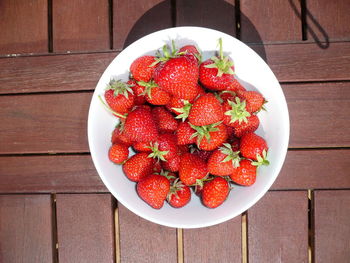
{"points": [[252, 72]]}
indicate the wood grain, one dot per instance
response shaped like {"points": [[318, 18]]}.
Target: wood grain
{"points": [[23, 26], [278, 228], [270, 21], [315, 169], [332, 228], [319, 114], [26, 228], [85, 228], [52, 73], [219, 243], [328, 19], [216, 14], [48, 174], [44, 123], [143, 241], [80, 25], [134, 19]]}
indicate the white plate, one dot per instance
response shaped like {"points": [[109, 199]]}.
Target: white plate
{"points": [[252, 72]]}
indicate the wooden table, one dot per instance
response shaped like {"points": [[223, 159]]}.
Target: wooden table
{"points": [[54, 207]]}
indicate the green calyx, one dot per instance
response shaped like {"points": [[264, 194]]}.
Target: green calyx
{"points": [[221, 62], [166, 174], [176, 186], [238, 111], [168, 53], [184, 111], [156, 153], [204, 131], [119, 87], [148, 87], [110, 110], [261, 160], [231, 155]]}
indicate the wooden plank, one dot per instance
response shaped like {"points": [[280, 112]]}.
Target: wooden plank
{"points": [[155, 243], [319, 114], [331, 17], [52, 73], [80, 25], [221, 242], [134, 19], [23, 26], [47, 174], [44, 123], [85, 228], [270, 21], [278, 228], [26, 228], [332, 228], [218, 15], [315, 169]]}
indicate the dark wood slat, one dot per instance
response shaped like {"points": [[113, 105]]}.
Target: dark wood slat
{"points": [[143, 241], [23, 26], [219, 243], [216, 14], [80, 25], [134, 19], [319, 114], [44, 123], [26, 228], [278, 228], [52, 73], [332, 228], [29, 174], [85, 228], [332, 17], [268, 21], [315, 169]]}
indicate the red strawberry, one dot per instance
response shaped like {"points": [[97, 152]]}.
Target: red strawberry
{"points": [[154, 189], [204, 155], [192, 168], [118, 135], [245, 174], [179, 194], [142, 146], [235, 112], [251, 125], [254, 147], [178, 76], [118, 153], [216, 73], [138, 166], [157, 167], [235, 86], [226, 95], [140, 125], [165, 147], [172, 164], [119, 96], [191, 50], [164, 119], [154, 94], [206, 110], [215, 192], [138, 92], [184, 134], [223, 161], [235, 144], [211, 136], [254, 100], [142, 68]]}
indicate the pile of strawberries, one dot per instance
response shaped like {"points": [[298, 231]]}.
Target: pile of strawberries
{"points": [[191, 124]]}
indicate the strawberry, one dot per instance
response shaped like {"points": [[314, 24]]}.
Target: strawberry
{"points": [[138, 91], [154, 94], [254, 147], [215, 192], [191, 168], [172, 164], [251, 125], [254, 100], [153, 189], [119, 96], [184, 134], [118, 135], [223, 161], [179, 194], [142, 68], [205, 110], [138, 166], [165, 147], [235, 112], [164, 119], [140, 126], [177, 75], [157, 167], [216, 73], [118, 153], [142, 146], [235, 86], [192, 51], [235, 144], [204, 155], [245, 174], [226, 95], [210, 137]]}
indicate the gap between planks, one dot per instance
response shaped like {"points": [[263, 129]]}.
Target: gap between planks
{"points": [[117, 235], [54, 229], [180, 245], [311, 226], [244, 237]]}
